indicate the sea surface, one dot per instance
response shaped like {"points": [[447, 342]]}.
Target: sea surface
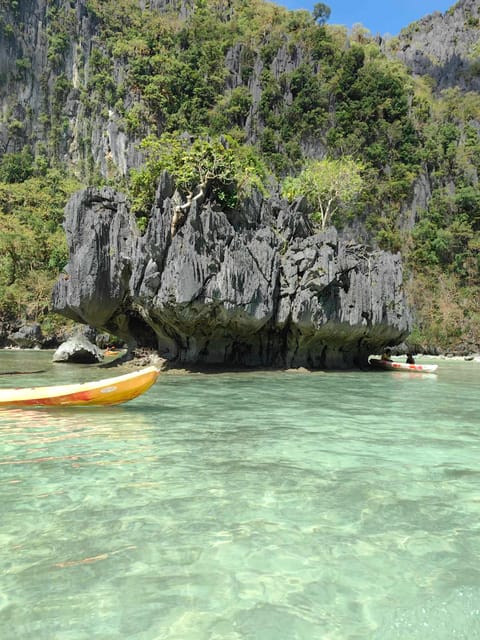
{"points": [[243, 506]]}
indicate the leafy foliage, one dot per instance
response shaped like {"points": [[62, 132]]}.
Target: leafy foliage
{"points": [[220, 165], [321, 12], [32, 242], [16, 167], [328, 185]]}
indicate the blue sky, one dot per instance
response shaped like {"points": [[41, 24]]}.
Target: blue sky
{"points": [[379, 16]]}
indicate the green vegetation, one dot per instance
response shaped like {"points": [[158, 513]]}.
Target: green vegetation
{"points": [[32, 243], [321, 12], [236, 92], [16, 167], [218, 167], [329, 186]]}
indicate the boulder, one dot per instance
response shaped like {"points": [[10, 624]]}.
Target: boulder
{"points": [[78, 349], [27, 336]]}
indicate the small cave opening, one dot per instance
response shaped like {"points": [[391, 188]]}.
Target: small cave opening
{"points": [[141, 332]]}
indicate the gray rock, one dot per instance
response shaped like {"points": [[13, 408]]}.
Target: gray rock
{"points": [[246, 288], [441, 44], [78, 349], [28, 336], [85, 331]]}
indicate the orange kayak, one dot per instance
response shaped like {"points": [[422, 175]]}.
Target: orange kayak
{"points": [[113, 352], [100, 392]]}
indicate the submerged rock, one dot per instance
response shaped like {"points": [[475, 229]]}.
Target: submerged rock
{"points": [[252, 287]]}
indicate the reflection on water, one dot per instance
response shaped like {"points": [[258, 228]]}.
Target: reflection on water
{"points": [[339, 506]]}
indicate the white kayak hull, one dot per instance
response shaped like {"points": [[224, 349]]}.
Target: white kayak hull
{"points": [[391, 365]]}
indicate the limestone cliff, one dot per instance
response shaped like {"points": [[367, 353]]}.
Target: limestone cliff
{"points": [[65, 96], [445, 46], [254, 287], [47, 97]]}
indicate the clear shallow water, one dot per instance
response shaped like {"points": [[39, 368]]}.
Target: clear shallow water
{"points": [[246, 506]]}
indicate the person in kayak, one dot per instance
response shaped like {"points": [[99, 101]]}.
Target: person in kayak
{"points": [[410, 359], [387, 354]]}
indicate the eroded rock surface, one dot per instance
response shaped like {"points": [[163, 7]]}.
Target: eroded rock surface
{"points": [[78, 349], [253, 287]]}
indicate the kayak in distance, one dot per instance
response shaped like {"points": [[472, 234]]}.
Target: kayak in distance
{"points": [[108, 353], [97, 393], [391, 365]]}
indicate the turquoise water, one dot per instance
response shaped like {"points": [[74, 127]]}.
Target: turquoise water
{"points": [[246, 506]]}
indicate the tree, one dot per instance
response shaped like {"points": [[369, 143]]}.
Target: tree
{"points": [[18, 247], [321, 12], [32, 242], [328, 186], [16, 167], [219, 167]]}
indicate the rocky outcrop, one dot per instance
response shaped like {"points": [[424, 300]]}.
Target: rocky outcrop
{"points": [[28, 336], [78, 349], [445, 46], [252, 287]]}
